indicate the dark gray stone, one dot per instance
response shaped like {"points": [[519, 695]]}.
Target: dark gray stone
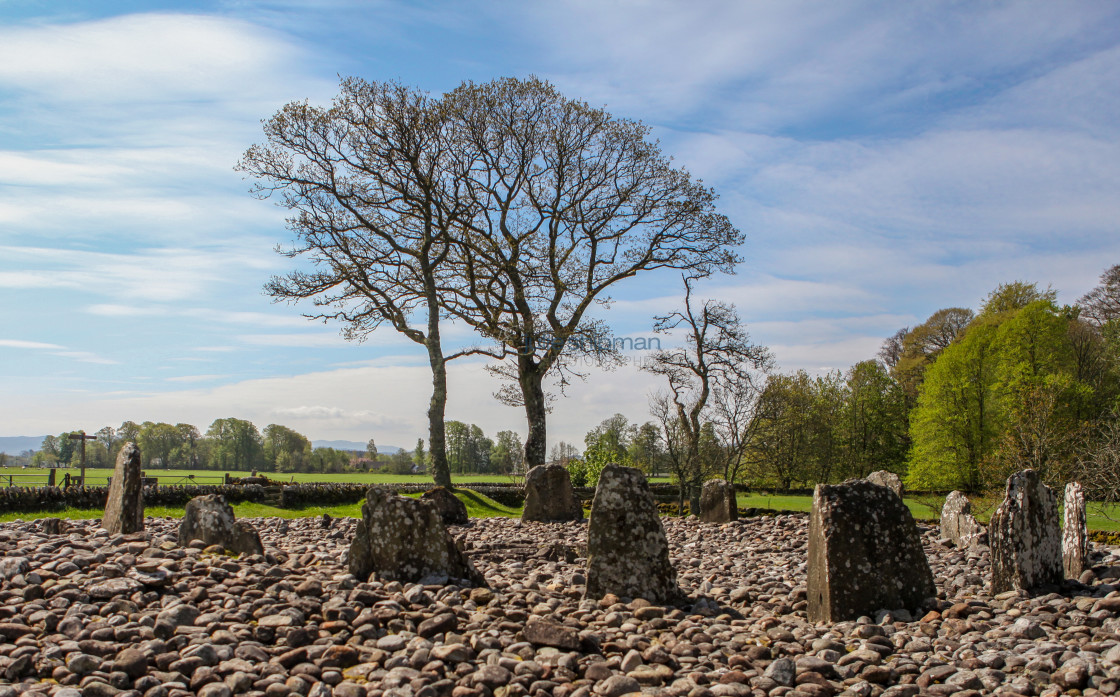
{"points": [[210, 519], [628, 554], [865, 553], [1075, 535], [957, 522], [1024, 538], [124, 511], [717, 502], [452, 511], [549, 495], [888, 479], [404, 539]]}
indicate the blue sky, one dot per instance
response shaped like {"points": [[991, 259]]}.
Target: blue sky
{"points": [[883, 159]]}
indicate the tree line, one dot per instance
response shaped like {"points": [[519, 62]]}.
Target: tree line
{"points": [[238, 445], [957, 402]]}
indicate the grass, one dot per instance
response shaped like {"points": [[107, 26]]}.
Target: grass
{"points": [[1100, 516], [478, 506]]}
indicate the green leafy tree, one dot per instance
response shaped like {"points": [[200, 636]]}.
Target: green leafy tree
{"points": [[873, 423], [158, 442], [285, 450], [954, 428], [419, 458], [508, 454], [236, 444], [781, 453]]}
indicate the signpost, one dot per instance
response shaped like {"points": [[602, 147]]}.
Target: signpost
{"points": [[81, 436]]}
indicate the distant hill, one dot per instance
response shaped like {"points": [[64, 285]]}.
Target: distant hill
{"points": [[349, 445], [14, 445]]}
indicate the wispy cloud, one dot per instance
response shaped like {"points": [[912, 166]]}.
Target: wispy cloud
{"points": [[21, 344]]}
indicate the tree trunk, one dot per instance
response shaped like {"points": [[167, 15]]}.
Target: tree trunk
{"points": [[437, 445], [532, 390]]}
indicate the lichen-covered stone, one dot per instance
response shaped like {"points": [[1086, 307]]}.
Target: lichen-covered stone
{"points": [[210, 519], [958, 525], [1024, 538], [124, 511], [549, 495], [452, 511], [888, 479], [404, 539], [865, 553], [628, 554], [717, 502], [1075, 536]]}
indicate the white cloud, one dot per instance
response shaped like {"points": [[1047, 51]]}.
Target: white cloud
{"points": [[142, 57], [18, 343]]}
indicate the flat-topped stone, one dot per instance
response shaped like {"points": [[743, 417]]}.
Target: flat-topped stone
{"points": [[865, 553]]}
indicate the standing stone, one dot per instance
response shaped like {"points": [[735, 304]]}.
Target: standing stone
{"points": [[210, 519], [957, 522], [124, 511], [452, 511], [717, 502], [549, 495], [627, 552], [888, 479], [404, 539], [865, 553], [1075, 536], [1023, 534]]}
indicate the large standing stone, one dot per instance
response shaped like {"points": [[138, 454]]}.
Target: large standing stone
{"points": [[957, 522], [124, 511], [452, 511], [210, 519], [717, 502], [888, 479], [1023, 534], [1075, 536], [865, 553], [549, 495], [627, 552], [404, 539]]}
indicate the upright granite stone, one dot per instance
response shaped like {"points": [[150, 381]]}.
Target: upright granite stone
{"points": [[957, 522], [717, 502], [124, 511], [865, 553], [627, 552], [549, 495], [1023, 534], [452, 511], [404, 539], [210, 519], [1075, 535], [888, 479]]}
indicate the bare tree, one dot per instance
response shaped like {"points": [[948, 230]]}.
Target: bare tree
{"points": [[717, 358], [1102, 304], [374, 210], [566, 202]]}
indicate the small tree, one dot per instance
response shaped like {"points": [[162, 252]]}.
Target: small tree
{"points": [[717, 356]]}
